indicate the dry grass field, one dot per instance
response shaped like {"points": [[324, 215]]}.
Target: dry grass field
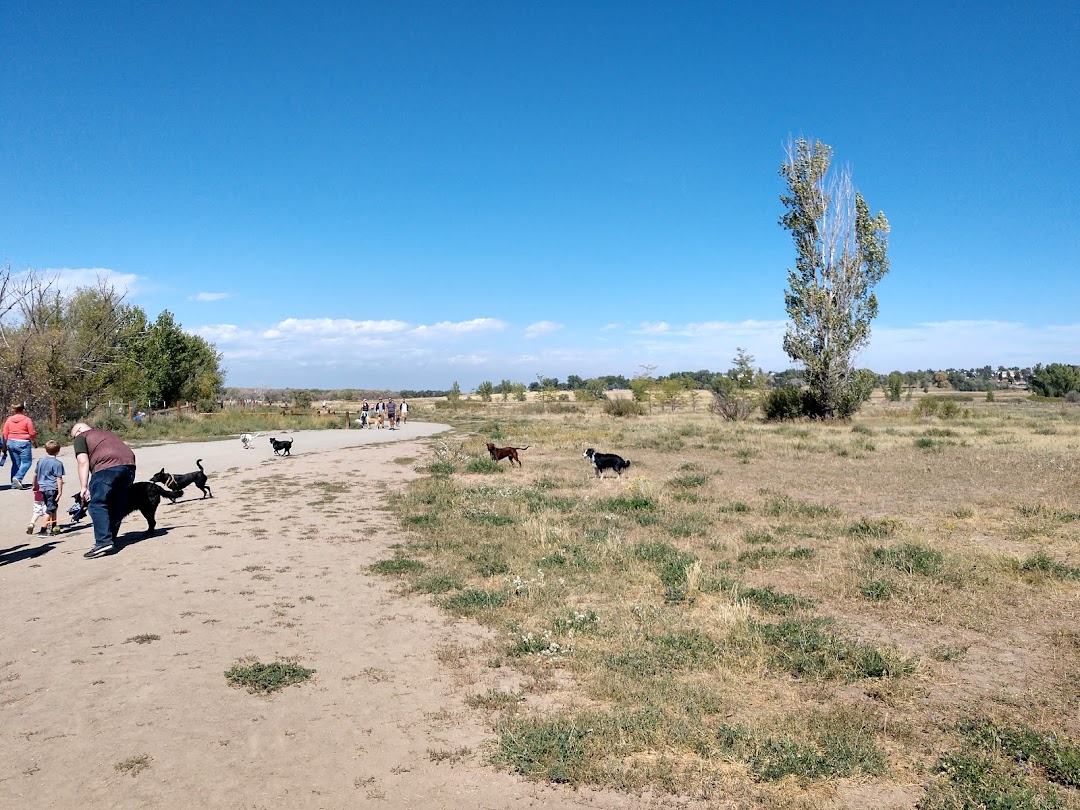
{"points": [[880, 613]]}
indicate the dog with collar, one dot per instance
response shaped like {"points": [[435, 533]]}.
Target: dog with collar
{"points": [[177, 483], [606, 461]]}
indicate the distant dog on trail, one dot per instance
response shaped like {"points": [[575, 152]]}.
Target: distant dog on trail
{"points": [[177, 483], [499, 453], [248, 439], [283, 447], [606, 461]]}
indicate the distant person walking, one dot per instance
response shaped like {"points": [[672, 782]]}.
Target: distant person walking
{"points": [[364, 410], [106, 472], [19, 437], [380, 413], [391, 413], [403, 412]]}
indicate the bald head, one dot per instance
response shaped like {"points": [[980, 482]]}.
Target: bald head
{"points": [[79, 428]]}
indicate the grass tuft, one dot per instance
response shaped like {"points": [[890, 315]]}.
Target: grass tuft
{"points": [[266, 678]]}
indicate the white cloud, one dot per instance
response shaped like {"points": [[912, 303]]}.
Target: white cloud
{"points": [[653, 328], [541, 328], [68, 279], [335, 327], [449, 329], [209, 296]]}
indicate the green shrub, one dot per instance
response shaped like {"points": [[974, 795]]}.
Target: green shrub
{"points": [[785, 403], [623, 407]]}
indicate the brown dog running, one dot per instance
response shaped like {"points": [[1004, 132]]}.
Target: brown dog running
{"points": [[499, 453]]}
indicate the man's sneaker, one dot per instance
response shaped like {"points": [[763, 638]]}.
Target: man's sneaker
{"points": [[97, 551], [30, 528], [16, 483]]}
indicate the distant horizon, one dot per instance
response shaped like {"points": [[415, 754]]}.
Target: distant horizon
{"points": [[389, 196]]}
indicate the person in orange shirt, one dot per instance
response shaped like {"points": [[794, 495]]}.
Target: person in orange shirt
{"points": [[19, 437]]}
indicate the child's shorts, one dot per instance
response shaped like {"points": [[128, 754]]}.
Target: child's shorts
{"points": [[39, 509], [51, 500]]}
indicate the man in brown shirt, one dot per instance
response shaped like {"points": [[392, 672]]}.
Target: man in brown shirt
{"points": [[106, 472]]}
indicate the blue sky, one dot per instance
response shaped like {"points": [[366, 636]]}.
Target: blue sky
{"points": [[407, 194]]}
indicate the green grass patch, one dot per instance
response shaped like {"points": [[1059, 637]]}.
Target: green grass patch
{"points": [[812, 648], [910, 558], [689, 481], [786, 506], [1054, 753], [878, 590], [472, 601], [840, 743], [397, 566], [266, 678], [438, 582], [878, 529], [626, 504], [757, 556], [769, 600], [483, 465], [669, 562], [1041, 563]]}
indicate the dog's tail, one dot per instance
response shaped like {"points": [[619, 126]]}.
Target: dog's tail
{"points": [[626, 463], [198, 463], [526, 447]]}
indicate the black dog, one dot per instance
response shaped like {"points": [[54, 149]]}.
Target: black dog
{"points": [[144, 496], [606, 461], [282, 448], [177, 483]]}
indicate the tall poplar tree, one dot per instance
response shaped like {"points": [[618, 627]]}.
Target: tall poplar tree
{"points": [[840, 257]]}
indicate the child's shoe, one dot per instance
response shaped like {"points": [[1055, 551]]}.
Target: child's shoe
{"points": [[29, 528]]}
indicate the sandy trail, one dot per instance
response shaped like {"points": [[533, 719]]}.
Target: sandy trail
{"points": [[274, 566]]}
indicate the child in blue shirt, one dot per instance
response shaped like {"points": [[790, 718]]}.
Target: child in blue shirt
{"points": [[49, 479]]}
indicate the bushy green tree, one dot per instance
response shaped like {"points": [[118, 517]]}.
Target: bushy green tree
{"points": [[1055, 380], [484, 390], [178, 367], [841, 254], [894, 385]]}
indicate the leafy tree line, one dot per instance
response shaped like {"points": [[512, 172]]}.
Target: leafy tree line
{"points": [[64, 354]]}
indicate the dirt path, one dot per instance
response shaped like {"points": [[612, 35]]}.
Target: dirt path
{"points": [[273, 567]]}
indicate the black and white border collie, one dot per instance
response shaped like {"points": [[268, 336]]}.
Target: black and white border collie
{"points": [[606, 461]]}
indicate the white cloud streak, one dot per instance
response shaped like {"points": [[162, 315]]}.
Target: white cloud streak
{"points": [[542, 328]]}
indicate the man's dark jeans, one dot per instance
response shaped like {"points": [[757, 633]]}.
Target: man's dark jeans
{"points": [[109, 501]]}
